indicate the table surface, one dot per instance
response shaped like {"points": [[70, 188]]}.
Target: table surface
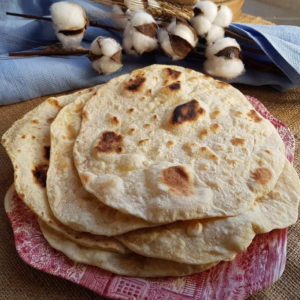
{"points": [[20, 281]]}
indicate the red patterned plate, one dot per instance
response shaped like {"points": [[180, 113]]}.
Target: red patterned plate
{"points": [[260, 266]]}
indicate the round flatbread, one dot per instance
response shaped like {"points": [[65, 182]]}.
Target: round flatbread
{"points": [[27, 143], [206, 241], [81, 238], [124, 264], [167, 143], [71, 204]]}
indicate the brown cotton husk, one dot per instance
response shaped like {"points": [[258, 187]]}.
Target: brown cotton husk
{"points": [[180, 46], [229, 52], [148, 29]]}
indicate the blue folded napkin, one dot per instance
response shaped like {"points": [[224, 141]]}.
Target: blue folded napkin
{"points": [[25, 78]]}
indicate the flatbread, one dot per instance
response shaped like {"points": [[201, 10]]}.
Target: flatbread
{"points": [[167, 143], [71, 204], [123, 264], [27, 143], [206, 241], [81, 238]]}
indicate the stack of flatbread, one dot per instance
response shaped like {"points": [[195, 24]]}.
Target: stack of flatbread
{"points": [[161, 172]]}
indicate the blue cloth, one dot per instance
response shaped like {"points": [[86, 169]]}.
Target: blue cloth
{"points": [[26, 78]]}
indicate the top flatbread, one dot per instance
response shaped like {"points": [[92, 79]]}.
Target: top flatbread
{"points": [[168, 143]]}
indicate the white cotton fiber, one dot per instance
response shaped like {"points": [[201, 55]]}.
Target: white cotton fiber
{"points": [[201, 24], [224, 16], [95, 47], [105, 65], [110, 46], [103, 49], [67, 15], [70, 41], [143, 43], [225, 68], [215, 33], [208, 8], [140, 18], [136, 42]]}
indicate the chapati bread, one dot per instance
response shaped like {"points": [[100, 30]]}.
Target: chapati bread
{"points": [[71, 204], [124, 264], [84, 239], [210, 240], [168, 143], [27, 143]]}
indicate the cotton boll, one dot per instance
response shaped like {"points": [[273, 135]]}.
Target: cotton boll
{"points": [[106, 55], [207, 9], [215, 33], [186, 32], [201, 24], [68, 15], [69, 21], [222, 67], [178, 39], [120, 15], [140, 34], [105, 65], [224, 16], [220, 45]]}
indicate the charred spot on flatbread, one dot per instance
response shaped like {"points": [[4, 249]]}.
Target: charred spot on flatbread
{"points": [[110, 142], [47, 152], [54, 102], [171, 73], [175, 86], [187, 112], [238, 142], [253, 115], [40, 174], [262, 176], [178, 181], [135, 84]]}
